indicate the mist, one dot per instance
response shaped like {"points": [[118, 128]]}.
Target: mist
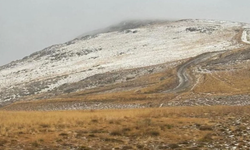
{"points": [[27, 26]]}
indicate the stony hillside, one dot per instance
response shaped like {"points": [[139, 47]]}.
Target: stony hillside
{"points": [[133, 65]]}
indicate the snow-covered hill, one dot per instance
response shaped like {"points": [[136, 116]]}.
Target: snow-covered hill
{"points": [[144, 45]]}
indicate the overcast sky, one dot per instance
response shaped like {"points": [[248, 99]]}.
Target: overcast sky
{"points": [[27, 26]]}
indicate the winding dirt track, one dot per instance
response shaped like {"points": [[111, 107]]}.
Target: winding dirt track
{"points": [[184, 78]]}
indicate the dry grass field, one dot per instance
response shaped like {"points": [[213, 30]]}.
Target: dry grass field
{"points": [[150, 128]]}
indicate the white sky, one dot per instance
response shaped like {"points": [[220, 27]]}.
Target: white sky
{"points": [[27, 26]]}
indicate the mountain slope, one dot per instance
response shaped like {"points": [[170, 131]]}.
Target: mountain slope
{"points": [[134, 66]]}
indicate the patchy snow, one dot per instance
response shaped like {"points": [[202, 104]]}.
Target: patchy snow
{"points": [[246, 36], [106, 52]]}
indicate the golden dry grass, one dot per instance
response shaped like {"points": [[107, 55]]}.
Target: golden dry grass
{"points": [[235, 82], [112, 128]]}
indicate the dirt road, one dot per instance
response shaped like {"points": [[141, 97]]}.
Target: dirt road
{"points": [[184, 78]]}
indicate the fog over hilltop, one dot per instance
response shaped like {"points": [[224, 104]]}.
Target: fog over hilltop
{"points": [[27, 26]]}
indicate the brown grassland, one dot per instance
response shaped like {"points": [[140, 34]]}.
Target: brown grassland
{"points": [[121, 129]]}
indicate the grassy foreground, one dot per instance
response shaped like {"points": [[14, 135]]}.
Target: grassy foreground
{"points": [[120, 129]]}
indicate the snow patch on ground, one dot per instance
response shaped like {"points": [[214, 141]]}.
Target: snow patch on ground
{"points": [[246, 36]]}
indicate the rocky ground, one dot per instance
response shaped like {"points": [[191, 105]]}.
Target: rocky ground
{"points": [[235, 100]]}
